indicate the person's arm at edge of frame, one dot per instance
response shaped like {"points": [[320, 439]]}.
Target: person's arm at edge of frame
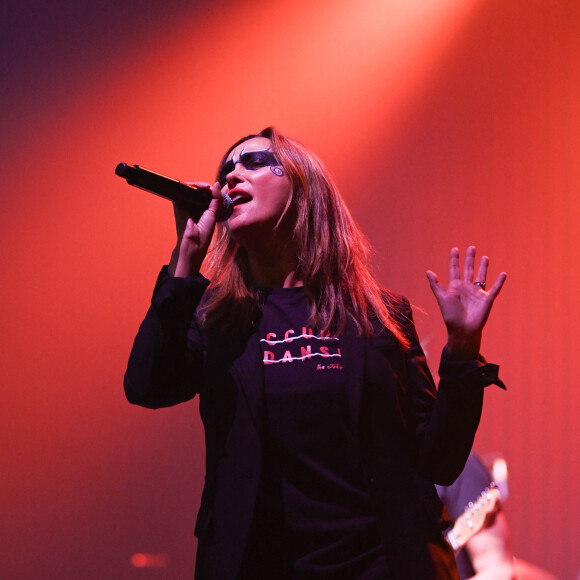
{"points": [[490, 551]]}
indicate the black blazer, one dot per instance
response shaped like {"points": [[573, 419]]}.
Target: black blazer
{"points": [[411, 436]]}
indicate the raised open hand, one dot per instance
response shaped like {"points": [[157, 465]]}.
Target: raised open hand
{"points": [[465, 304]]}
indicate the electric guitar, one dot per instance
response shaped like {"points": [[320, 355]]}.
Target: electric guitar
{"points": [[474, 517]]}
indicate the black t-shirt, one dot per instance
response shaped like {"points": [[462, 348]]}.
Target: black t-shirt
{"points": [[314, 517]]}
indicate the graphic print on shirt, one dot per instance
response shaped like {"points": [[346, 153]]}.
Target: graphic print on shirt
{"points": [[299, 345]]}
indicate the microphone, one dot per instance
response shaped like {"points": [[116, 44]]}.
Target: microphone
{"points": [[194, 199]]}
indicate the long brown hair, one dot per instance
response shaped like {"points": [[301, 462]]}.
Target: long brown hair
{"points": [[332, 255]]}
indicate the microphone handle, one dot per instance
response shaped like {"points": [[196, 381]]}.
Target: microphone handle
{"points": [[194, 199]]}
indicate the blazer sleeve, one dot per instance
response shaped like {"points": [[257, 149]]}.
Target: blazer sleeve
{"points": [[166, 362], [445, 419]]}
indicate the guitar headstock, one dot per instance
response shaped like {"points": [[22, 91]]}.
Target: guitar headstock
{"points": [[473, 519]]}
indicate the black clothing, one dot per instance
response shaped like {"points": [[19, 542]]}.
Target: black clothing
{"points": [[324, 515], [409, 436]]}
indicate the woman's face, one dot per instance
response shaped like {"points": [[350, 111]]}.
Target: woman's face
{"points": [[259, 188]]}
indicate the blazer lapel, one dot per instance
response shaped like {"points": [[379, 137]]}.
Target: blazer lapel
{"points": [[249, 372], [352, 349]]}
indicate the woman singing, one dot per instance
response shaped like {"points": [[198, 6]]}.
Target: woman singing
{"points": [[324, 431]]}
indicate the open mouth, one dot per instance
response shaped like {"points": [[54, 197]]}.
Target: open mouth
{"points": [[240, 199]]}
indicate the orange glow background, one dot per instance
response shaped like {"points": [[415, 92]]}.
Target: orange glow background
{"points": [[445, 122]]}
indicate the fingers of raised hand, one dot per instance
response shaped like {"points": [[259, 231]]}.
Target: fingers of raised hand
{"points": [[498, 284], [482, 276], [455, 280], [434, 283], [468, 267], [482, 272], [469, 262], [454, 264]]}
